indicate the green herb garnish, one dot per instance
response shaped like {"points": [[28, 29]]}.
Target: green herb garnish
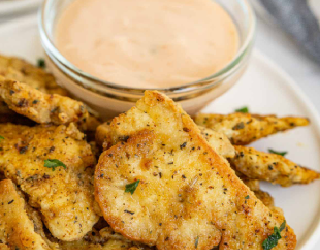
{"points": [[54, 163], [272, 240], [247, 197], [196, 242], [1, 137], [130, 188], [41, 63], [277, 153], [243, 110]]}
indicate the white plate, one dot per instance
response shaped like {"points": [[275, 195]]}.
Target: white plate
{"points": [[265, 89], [9, 7]]}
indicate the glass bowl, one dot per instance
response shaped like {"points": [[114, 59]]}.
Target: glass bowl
{"points": [[110, 99]]}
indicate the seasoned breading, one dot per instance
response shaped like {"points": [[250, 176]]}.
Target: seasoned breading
{"points": [[187, 196], [252, 184], [107, 135], [16, 228], [20, 70], [243, 128], [39, 107], [104, 239], [272, 168], [220, 143], [266, 198], [64, 196]]}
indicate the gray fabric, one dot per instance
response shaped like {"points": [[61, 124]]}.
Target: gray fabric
{"points": [[297, 19]]}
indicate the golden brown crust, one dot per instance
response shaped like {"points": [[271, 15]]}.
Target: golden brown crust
{"points": [[20, 70], [244, 128], [108, 136], [64, 196], [39, 107], [187, 197], [103, 239], [272, 168], [16, 229]]}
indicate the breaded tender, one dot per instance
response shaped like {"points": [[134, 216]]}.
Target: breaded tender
{"points": [[252, 184], [20, 70], [167, 187], [266, 198], [272, 168], [107, 135], [104, 239], [244, 128], [64, 196], [220, 143], [39, 107], [16, 228]]}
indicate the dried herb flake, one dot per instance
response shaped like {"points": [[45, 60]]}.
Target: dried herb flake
{"points": [[54, 163], [277, 152], [130, 188], [243, 110], [272, 240]]}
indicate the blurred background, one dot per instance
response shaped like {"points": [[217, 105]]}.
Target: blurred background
{"points": [[288, 32]]}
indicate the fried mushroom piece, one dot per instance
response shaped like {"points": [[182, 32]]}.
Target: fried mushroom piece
{"points": [[109, 134], [17, 230], [166, 186], [63, 195], [244, 128], [272, 168], [39, 107]]}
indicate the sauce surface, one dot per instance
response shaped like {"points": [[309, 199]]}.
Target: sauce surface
{"points": [[147, 43]]}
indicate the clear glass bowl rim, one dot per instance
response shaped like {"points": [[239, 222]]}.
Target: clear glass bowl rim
{"points": [[49, 45]]}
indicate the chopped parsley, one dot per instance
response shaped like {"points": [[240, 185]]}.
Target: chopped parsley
{"points": [[242, 110], [247, 197], [277, 153], [54, 163], [196, 242], [41, 63], [272, 240], [130, 188], [1, 137]]}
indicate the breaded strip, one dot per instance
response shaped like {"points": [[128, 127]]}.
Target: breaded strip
{"points": [[20, 70], [64, 196], [272, 168], [244, 128], [104, 239], [16, 228], [220, 143], [107, 135], [187, 196], [39, 107], [254, 186]]}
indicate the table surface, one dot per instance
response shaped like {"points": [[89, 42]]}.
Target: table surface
{"points": [[279, 47]]}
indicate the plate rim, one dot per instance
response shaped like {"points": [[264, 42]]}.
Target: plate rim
{"points": [[288, 81]]}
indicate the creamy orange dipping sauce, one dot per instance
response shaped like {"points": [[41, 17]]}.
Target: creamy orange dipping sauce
{"points": [[147, 43]]}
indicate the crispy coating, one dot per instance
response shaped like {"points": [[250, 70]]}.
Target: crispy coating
{"points": [[220, 143], [254, 186], [16, 228], [108, 134], [272, 168], [103, 239], [39, 107], [187, 196], [64, 196], [244, 128], [266, 198], [20, 70]]}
